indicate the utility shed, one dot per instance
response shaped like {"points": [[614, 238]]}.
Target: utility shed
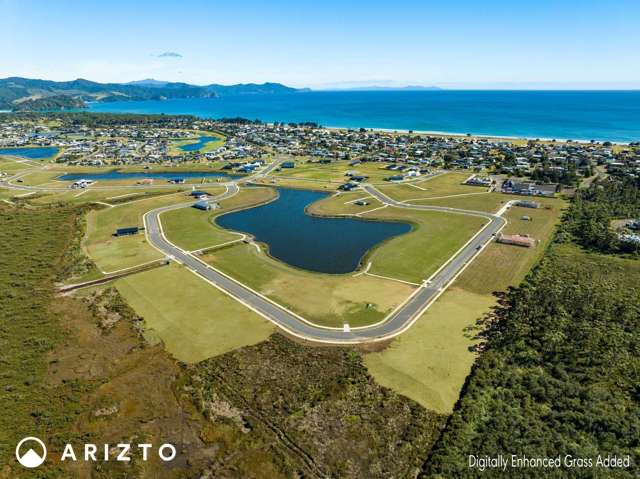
{"points": [[133, 230]]}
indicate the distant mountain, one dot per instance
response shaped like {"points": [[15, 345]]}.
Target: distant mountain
{"points": [[27, 94]]}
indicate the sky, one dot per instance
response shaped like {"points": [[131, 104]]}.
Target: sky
{"points": [[327, 44]]}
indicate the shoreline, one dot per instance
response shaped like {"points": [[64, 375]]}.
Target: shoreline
{"points": [[481, 136]]}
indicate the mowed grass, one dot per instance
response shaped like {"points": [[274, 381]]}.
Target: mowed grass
{"points": [[111, 196], [501, 265], [112, 253], [39, 177], [329, 300], [416, 255], [333, 172], [344, 204], [194, 319], [429, 362], [489, 202], [193, 229], [446, 184]]}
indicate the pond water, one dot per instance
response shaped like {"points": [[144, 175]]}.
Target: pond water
{"points": [[38, 153], [203, 140], [138, 175], [324, 245]]}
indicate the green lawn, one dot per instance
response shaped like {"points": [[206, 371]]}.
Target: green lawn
{"points": [[442, 185], [413, 256], [501, 265], [193, 229], [111, 253], [39, 177], [343, 204], [193, 318], [430, 362], [333, 172], [326, 299], [416, 255]]}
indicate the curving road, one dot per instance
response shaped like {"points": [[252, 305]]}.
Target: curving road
{"points": [[396, 323]]}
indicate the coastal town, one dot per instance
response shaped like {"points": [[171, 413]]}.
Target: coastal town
{"points": [[537, 166]]}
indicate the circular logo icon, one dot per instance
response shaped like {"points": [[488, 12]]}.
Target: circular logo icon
{"points": [[31, 452]]}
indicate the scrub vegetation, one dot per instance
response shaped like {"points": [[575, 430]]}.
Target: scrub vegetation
{"points": [[331, 418]]}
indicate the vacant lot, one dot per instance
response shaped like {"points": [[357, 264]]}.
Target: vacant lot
{"points": [[322, 401], [413, 256], [442, 185], [333, 172], [500, 265], [112, 253], [344, 204], [429, 363], [326, 299], [193, 229], [416, 255], [194, 319]]}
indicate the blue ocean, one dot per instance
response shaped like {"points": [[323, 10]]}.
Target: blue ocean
{"points": [[577, 115]]}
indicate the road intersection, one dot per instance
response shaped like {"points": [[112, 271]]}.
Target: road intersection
{"points": [[398, 321]]}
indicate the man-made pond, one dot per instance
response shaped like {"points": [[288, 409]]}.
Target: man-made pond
{"points": [[138, 175], [38, 153], [203, 140], [325, 245]]}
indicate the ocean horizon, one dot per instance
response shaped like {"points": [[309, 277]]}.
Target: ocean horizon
{"points": [[576, 115]]}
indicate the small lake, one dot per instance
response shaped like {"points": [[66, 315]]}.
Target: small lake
{"points": [[138, 175], [38, 153], [324, 245], [203, 140]]}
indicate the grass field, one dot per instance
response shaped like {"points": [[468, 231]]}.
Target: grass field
{"points": [[413, 256], [429, 362], [111, 196], [442, 185], [489, 202], [38, 177], [111, 253], [500, 265], [193, 229], [329, 300], [333, 172], [416, 255], [343, 204], [193, 318]]}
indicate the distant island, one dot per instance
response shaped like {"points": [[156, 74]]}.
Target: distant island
{"points": [[25, 94]]}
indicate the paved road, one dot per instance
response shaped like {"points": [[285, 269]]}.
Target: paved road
{"points": [[396, 323]]}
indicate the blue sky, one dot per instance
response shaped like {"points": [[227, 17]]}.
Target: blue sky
{"points": [[465, 43]]}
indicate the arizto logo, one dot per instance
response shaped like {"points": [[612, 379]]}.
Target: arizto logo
{"points": [[31, 458]]}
